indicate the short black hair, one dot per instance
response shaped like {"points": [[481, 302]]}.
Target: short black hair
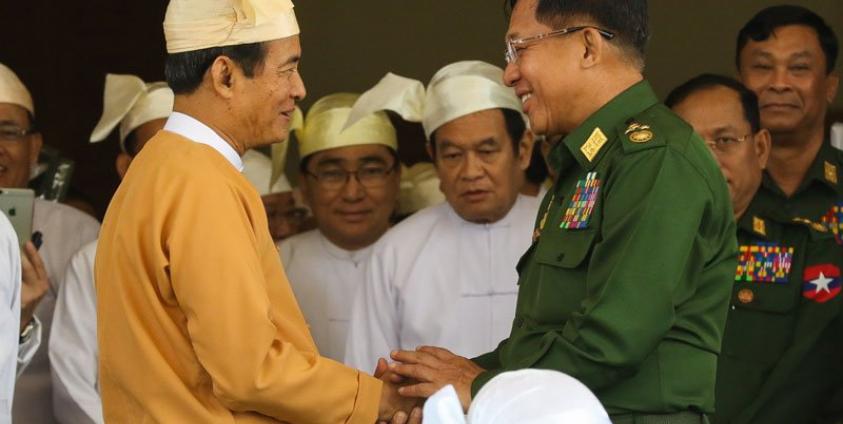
{"points": [[515, 128], [537, 172], [749, 101], [765, 22], [185, 71], [627, 19]]}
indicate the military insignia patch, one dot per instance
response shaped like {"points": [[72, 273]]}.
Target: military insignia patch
{"points": [[830, 173], [759, 226], [538, 231], [833, 220], [639, 133], [764, 263], [746, 296], [821, 282], [594, 143], [581, 205]]}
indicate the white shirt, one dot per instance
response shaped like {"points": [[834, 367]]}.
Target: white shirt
{"points": [[324, 278], [193, 129], [73, 345], [436, 279], [10, 278], [65, 230]]}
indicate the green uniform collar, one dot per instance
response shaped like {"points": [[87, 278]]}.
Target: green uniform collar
{"points": [[755, 220], [629, 103], [823, 171]]}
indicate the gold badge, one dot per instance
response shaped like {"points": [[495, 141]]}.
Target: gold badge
{"points": [[758, 226], [830, 173], [816, 226], [746, 296], [639, 133], [594, 143]]}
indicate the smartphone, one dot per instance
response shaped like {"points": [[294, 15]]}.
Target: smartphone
{"points": [[17, 204]]}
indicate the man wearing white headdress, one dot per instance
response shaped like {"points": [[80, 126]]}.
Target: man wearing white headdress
{"points": [[284, 211], [196, 319], [528, 396], [64, 229], [350, 179], [446, 275], [139, 110]]}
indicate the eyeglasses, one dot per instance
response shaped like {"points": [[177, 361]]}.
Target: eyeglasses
{"points": [[293, 216], [13, 134], [725, 144], [513, 45], [370, 177]]}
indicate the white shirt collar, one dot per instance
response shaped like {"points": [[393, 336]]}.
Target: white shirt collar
{"points": [[193, 129]]}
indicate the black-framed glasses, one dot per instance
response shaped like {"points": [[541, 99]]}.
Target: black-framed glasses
{"points": [[369, 176], [13, 133], [513, 45]]}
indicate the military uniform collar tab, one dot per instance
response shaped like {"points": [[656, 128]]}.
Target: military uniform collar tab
{"points": [[755, 221], [590, 140], [825, 169]]}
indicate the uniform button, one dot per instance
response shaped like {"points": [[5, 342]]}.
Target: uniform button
{"points": [[559, 257], [746, 296]]}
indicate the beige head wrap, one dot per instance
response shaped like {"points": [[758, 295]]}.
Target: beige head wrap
{"points": [[130, 102], [456, 90], [323, 126], [13, 91], [200, 24], [419, 188]]}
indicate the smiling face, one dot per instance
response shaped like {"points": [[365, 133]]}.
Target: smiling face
{"points": [[352, 215], [265, 103], [477, 166], [18, 153], [788, 73]]}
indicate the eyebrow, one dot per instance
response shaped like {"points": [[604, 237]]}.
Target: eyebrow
{"points": [[798, 55], [290, 61], [9, 122]]}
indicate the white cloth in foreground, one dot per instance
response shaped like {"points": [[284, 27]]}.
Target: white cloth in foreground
{"points": [[65, 231], [73, 345], [10, 279], [436, 279], [526, 396], [325, 278]]}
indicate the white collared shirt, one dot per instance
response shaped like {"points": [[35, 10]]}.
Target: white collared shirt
{"points": [[10, 279], [437, 279], [324, 278], [193, 129]]}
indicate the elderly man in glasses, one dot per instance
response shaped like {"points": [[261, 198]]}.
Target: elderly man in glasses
{"points": [[626, 286], [785, 325], [446, 275], [350, 180]]}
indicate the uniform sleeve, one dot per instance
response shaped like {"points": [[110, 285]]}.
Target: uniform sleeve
{"points": [[248, 346], [660, 230], [374, 327], [73, 346]]}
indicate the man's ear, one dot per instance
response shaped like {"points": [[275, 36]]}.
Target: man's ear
{"points": [[594, 47], [35, 142], [525, 150], [832, 84], [122, 164], [762, 141], [224, 74]]}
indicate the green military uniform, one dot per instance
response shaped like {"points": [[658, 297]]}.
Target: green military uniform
{"points": [[627, 284], [819, 197], [780, 361]]}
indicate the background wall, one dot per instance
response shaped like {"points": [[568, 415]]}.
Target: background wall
{"points": [[62, 50]]}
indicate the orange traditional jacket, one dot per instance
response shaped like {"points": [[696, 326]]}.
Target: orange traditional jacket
{"points": [[196, 320]]}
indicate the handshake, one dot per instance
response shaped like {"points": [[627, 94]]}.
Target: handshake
{"points": [[416, 375]]}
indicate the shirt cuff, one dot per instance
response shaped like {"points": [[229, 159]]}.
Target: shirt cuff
{"points": [[28, 347], [368, 401]]}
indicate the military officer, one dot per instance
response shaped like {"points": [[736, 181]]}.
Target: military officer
{"points": [[786, 55], [626, 284], [784, 328]]}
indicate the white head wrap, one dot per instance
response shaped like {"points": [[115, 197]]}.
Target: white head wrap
{"points": [[257, 168], [13, 91], [200, 24], [528, 396], [456, 90], [130, 102], [419, 188], [323, 127]]}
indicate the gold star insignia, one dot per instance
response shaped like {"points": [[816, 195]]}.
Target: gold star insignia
{"points": [[759, 226], [830, 173]]}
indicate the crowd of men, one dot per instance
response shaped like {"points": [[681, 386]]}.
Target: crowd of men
{"points": [[575, 251]]}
